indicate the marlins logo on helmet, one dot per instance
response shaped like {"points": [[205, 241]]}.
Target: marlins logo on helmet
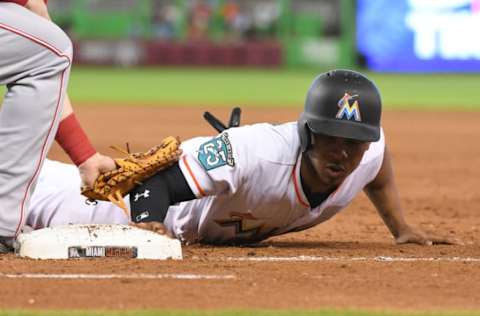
{"points": [[349, 108]]}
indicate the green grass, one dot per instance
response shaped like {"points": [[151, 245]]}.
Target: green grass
{"points": [[197, 87], [232, 313], [259, 87], [432, 91]]}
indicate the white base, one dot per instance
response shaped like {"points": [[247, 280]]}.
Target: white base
{"points": [[93, 241]]}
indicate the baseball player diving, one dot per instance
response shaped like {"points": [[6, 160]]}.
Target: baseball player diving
{"points": [[35, 62], [253, 182]]}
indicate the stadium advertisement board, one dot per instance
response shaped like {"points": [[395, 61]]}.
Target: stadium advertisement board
{"points": [[419, 35]]}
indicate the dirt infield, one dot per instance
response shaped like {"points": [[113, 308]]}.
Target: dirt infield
{"points": [[349, 261]]}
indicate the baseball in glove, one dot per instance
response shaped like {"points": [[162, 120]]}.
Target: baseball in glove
{"points": [[114, 185]]}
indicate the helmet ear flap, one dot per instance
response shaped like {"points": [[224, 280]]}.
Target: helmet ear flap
{"points": [[308, 138], [304, 133]]}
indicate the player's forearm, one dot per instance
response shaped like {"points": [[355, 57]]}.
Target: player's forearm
{"points": [[67, 107], [383, 193], [71, 136], [75, 142], [387, 202], [149, 201], [39, 7]]}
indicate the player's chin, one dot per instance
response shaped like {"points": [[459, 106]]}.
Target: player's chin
{"points": [[333, 176], [335, 183]]}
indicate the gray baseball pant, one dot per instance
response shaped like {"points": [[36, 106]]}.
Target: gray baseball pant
{"points": [[35, 60]]}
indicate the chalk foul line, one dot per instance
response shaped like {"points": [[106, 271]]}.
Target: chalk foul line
{"points": [[186, 276], [117, 276], [375, 259]]}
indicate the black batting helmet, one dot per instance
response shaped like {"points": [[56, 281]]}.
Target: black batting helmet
{"points": [[341, 103]]}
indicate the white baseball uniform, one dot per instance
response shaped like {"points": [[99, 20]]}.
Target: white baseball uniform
{"points": [[247, 181]]}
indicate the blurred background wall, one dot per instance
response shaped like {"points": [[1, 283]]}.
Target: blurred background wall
{"points": [[267, 33], [384, 35]]}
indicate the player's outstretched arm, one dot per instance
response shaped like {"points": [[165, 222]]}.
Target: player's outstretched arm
{"points": [[76, 144], [383, 193]]}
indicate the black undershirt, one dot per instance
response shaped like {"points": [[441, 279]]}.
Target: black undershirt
{"points": [[314, 198]]}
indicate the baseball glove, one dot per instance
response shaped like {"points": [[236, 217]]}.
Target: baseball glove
{"points": [[114, 185]]}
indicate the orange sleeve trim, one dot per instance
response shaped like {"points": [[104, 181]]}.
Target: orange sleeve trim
{"points": [[197, 184], [297, 191]]}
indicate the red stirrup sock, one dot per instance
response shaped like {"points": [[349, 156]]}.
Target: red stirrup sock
{"points": [[71, 137]]}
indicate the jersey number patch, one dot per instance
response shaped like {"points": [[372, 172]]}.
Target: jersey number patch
{"points": [[216, 153]]}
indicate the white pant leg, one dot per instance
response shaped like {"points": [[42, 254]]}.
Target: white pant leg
{"points": [[57, 200], [35, 59]]}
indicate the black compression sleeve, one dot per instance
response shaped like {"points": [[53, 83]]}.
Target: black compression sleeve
{"points": [[149, 202]]}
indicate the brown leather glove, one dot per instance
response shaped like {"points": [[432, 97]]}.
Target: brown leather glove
{"points": [[114, 185]]}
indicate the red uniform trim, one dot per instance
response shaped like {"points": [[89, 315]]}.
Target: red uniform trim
{"points": [[42, 156], [197, 184], [57, 52], [297, 188], [36, 40]]}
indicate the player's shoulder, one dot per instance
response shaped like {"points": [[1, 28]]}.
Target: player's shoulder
{"points": [[274, 143], [375, 151], [282, 132], [277, 143]]}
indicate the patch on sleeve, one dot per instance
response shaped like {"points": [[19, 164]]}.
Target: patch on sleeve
{"points": [[216, 153]]}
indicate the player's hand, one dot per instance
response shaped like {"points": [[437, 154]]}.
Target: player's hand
{"points": [[413, 236], [155, 227], [93, 166], [39, 7]]}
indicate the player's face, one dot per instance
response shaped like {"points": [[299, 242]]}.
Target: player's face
{"points": [[330, 160]]}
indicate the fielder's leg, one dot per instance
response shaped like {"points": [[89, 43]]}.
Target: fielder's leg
{"points": [[35, 58]]}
